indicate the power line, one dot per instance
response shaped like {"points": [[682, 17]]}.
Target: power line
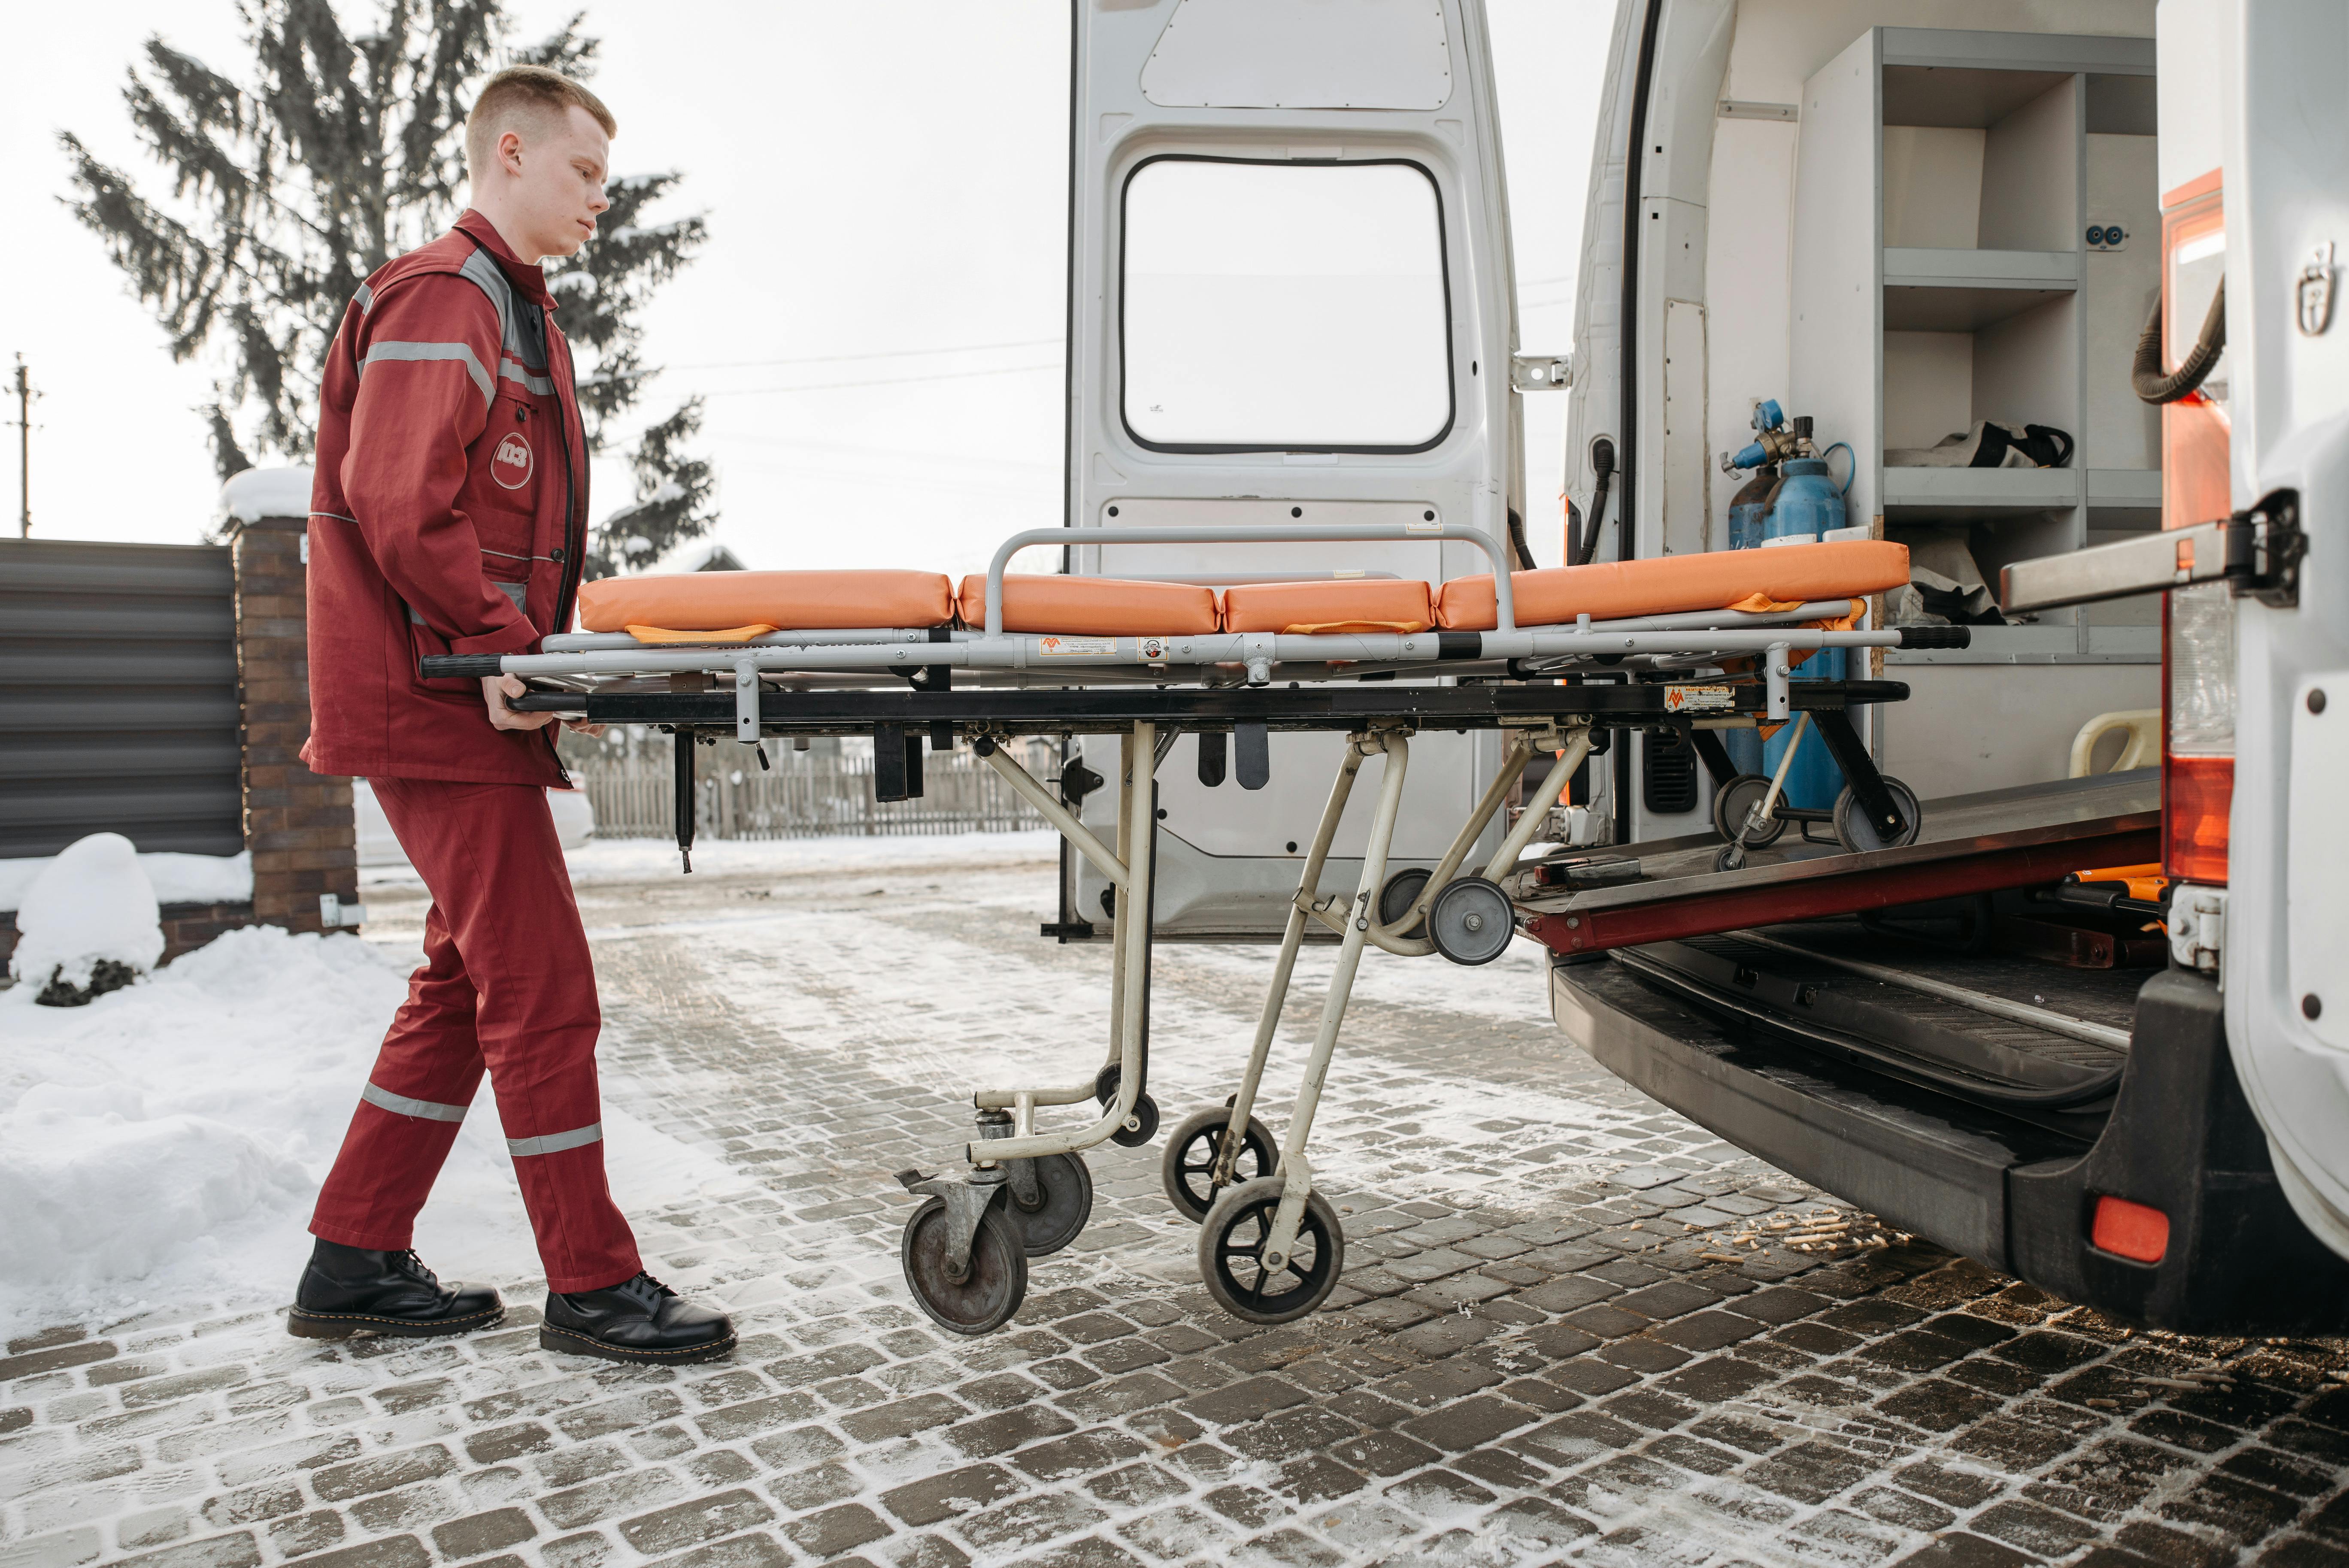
{"points": [[876, 354]]}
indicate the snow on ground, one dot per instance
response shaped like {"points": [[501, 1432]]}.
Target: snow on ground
{"points": [[164, 1145], [176, 877]]}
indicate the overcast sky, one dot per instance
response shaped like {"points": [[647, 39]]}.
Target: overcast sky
{"points": [[876, 321]]}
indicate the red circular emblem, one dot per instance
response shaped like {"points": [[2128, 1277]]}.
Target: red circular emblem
{"points": [[510, 464]]}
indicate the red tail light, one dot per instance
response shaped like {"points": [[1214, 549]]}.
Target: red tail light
{"points": [[2197, 774]]}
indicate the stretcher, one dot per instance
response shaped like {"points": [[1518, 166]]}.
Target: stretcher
{"points": [[1554, 660]]}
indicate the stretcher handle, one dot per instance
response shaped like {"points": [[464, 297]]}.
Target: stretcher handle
{"points": [[1936, 636], [1503, 599], [450, 666]]}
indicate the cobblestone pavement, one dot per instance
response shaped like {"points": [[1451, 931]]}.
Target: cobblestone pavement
{"points": [[1531, 1358]]}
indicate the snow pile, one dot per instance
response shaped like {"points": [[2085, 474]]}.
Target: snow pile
{"points": [[91, 905], [176, 877], [257, 493], [163, 1146]]}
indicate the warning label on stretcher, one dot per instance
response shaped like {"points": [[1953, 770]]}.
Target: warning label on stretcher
{"points": [[1063, 646], [1699, 699]]}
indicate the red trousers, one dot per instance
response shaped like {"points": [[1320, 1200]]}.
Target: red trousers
{"points": [[507, 987]]}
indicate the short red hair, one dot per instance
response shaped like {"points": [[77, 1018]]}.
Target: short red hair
{"points": [[525, 98]]}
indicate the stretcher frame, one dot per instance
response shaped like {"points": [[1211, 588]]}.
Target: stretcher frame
{"points": [[821, 682]]}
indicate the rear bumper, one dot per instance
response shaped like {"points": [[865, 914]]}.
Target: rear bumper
{"points": [[2180, 1138]]}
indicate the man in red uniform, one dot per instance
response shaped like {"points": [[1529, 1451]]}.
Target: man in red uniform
{"points": [[448, 516]]}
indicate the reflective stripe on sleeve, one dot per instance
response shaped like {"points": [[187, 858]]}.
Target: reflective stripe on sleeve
{"points": [[431, 1111], [556, 1143], [363, 299], [464, 351]]}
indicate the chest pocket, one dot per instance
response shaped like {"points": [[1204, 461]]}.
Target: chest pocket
{"points": [[508, 475]]}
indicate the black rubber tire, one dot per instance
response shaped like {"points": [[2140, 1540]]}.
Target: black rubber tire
{"points": [[1065, 1202], [1145, 1113], [1472, 898], [1403, 891], [985, 1300], [1854, 831], [1190, 1156], [1235, 1227], [1743, 793]]}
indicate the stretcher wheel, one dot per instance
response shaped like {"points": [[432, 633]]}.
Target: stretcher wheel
{"points": [[1145, 1127], [1064, 1201], [1735, 800], [1471, 921], [986, 1295], [1145, 1110], [1403, 891], [1858, 834], [1189, 1162], [1231, 1247]]}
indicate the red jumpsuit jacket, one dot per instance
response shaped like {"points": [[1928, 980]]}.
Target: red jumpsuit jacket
{"points": [[449, 511]]}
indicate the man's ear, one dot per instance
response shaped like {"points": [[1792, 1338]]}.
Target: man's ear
{"points": [[510, 152]]}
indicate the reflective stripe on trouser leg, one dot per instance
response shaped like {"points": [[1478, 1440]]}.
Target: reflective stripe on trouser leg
{"points": [[556, 1143], [375, 1094]]}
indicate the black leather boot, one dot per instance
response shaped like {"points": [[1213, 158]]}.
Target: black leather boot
{"points": [[350, 1290], [637, 1320]]}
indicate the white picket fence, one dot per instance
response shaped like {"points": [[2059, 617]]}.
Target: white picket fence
{"points": [[802, 795]]}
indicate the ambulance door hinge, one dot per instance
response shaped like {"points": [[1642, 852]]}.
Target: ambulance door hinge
{"points": [[2265, 549], [2197, 927]]}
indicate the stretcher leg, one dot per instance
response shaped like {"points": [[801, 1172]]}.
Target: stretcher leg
{"points": [[1275, 995], [1271, 1249]]}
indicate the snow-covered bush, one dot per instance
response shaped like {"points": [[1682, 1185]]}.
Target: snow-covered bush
{"points": [[87, 924]]}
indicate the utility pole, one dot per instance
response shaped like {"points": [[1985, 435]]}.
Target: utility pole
{"points": [[24, 452]]}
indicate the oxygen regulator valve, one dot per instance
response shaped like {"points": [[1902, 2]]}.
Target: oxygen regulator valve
{"points": [[1774, 442]]}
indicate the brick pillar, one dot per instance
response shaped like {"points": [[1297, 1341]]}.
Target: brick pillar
{"points": [[297, 824]]}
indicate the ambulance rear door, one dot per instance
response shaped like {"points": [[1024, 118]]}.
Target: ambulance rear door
{"points": [[1289, 303]]}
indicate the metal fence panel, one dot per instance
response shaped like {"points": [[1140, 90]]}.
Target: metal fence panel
{"points": [[802, 796], [118, 697]]}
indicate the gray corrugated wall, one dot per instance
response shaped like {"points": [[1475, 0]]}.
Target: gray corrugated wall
{"points": [[118, 697]]}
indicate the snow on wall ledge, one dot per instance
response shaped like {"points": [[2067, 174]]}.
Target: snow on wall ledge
{"points": [[257, 493], [176, 877]]}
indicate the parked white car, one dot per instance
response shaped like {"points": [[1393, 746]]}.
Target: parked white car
{"points": [[574, 823]]}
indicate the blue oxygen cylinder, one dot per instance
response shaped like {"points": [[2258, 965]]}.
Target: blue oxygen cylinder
{"points": [[1809, 504]]}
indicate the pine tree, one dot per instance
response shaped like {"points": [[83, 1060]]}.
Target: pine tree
{"points": [[342, 151]]}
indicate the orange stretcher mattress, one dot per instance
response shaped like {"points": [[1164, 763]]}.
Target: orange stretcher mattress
{"points": [[1327, 608], [1093, 606], [1672, 585], [766, 601]]}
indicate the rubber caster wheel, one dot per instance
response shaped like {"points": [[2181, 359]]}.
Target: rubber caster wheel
{"points": [[1729, 858], [1735, 801], [1231, 1251], [1858, 834], [1403, 891], [1141, 1128], [1145, 1110], [1189, 1165], [990, 1290], [1472, 921], [1064, 1201]]}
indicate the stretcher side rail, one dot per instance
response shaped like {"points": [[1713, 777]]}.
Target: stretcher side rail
{"points": [[1681, 620]]}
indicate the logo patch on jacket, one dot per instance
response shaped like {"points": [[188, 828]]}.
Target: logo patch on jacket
{"points": [[510, 464]]}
